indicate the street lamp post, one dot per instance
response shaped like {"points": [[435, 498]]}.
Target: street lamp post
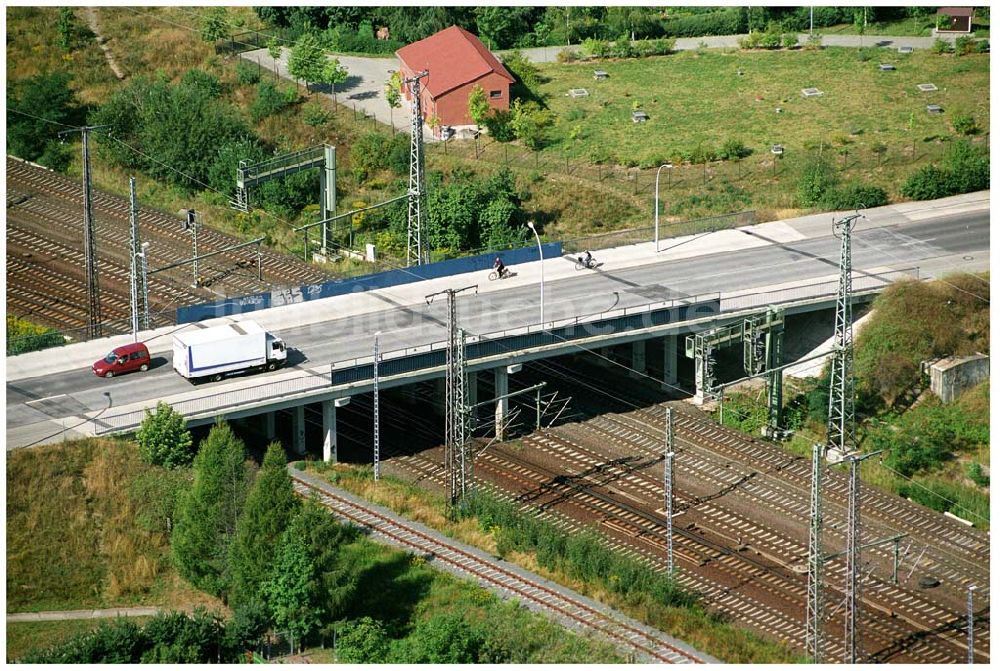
{"points": [[656, 196], [541, 286]]}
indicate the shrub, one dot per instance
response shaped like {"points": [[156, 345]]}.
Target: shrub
{"points": [[729, 21], [814, 42], [530, 123], [940, 46], [164, 439], [314, 114], [927, 183], [733, 150], [48, 96], [247, 73], [270, 100], [817, 178], [770, 40], [857, 195], [976, 474], [964, 124], [789, 40], [596, 48], [567, 55], [964, 44], [23, 336], [982, 46]]}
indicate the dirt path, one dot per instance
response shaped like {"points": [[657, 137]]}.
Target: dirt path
{"points": [[51, 616], [90, 13]]}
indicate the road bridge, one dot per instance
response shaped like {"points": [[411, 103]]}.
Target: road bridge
{"points": [[635, 296]]}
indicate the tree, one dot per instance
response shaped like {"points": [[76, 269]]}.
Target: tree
{"points": [[33, 103], [214, 25], [164, 439], [293, 590], [209, 512], [333, 73], [274, 48], [269, 509], [479, 105], [306, 60], [392, 94], [530, 122]]}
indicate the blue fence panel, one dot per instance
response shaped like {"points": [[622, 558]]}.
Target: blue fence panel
{"points": [[388, 278]]}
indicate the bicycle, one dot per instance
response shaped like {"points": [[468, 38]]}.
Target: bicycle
{"points": [[497, 276], [590, 265]]}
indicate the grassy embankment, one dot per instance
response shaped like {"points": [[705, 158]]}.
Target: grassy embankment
{"points": [[935, 453], [702, 630], [76, 539], [862, 109]]}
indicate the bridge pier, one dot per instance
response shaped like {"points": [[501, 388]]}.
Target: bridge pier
{"points": [[699, 380], [669, 361], [472, 396], [330, 431], [299, 429], [500, 393], [638, 369], [269, 425]]}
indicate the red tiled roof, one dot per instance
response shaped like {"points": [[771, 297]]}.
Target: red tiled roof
{"points": [[956, 11], [454, 57]]}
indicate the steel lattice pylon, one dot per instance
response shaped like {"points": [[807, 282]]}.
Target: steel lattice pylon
{"points": [[668, 488], [840, 423], [415, 244], [814, 595], [134, 267], [376, 457], [853, 586], [458, 463]]}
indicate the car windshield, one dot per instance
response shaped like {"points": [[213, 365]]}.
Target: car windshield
{"points": [[110, 358]]}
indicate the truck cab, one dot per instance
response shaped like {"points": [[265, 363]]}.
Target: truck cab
{"points": [[276, 352]]}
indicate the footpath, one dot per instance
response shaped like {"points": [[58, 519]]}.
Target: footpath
{"points": [[54, 615]]}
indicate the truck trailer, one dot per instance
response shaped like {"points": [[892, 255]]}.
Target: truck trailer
{"points": [[225, 350]]}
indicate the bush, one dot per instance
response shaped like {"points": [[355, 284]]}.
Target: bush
{"points": [[48, 96], [271, 100], [964, 44], [816, 180], [967, 168], [964, 124], [163, 438], [23, 336], [728, 21], [206, 83], [927, 183], [314, 114], [733, 150], [789, 40], [247, 73], [855, 196], [596, 48], [374, 151], [530, 123], [940, 46], [528, 77], [976, 474], [567, 55], [770, 40]]}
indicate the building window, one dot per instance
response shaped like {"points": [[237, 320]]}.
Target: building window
{"points": [[496, 94]]}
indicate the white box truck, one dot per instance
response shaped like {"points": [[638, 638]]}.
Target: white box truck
{"points": [[213, 352]]}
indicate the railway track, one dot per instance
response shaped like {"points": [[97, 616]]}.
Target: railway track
{"points": [[635, 637], [44, 213]]}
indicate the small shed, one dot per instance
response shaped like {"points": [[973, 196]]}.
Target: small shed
{"points": [[960, 19]]}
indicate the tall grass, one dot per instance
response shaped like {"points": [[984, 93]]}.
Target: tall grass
{"points": [[73, 537]]}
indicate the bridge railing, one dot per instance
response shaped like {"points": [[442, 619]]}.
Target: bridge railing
{"points": [[860, 282]]}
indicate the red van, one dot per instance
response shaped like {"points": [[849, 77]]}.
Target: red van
{"points": [[124, 359]]}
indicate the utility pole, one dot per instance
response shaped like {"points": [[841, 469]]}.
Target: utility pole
{"points": [[814, 589], [969, 623], [456, 425], [134, 256], [415, 244], [852, 643], [144, 255], [840, 424], [375, 427], [191, 224], [89, 236], [668, 488]]}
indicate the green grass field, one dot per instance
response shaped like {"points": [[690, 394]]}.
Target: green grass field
{"points": [[699, 99]]}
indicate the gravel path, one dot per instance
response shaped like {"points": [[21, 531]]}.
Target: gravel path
{"points": [[54, 615]]}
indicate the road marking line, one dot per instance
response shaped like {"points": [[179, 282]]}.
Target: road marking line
{"points": [[47, 398]]}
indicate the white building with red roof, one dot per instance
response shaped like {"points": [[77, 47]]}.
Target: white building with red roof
{"points": [[456, 61]]}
